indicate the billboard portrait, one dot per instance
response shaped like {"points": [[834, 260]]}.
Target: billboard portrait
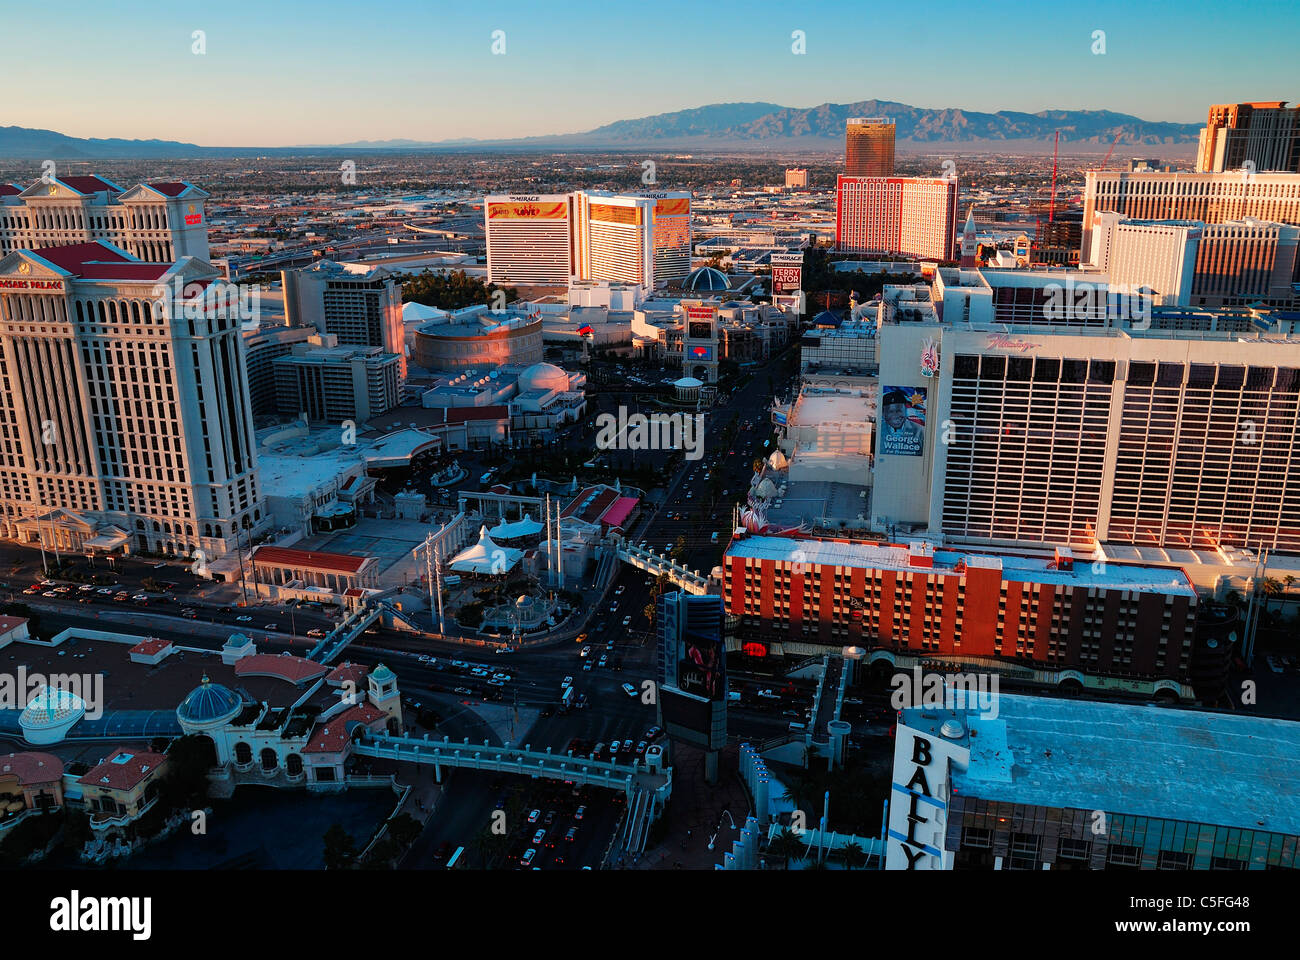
{"points": [[902, 421], [701, 664]]}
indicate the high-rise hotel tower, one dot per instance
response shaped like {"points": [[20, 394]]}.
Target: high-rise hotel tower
{"points": [[125, 420]]}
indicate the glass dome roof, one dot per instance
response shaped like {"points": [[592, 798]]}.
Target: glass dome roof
{"points": [[706, 278], [208, 702]]}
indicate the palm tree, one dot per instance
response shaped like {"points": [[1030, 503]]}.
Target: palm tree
{"points": [[785, 845], [854, 855]]}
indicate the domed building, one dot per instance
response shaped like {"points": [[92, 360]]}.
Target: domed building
{"points": [[543, 376], [50, 714], [706, 280], [688, 389], [207, 706], [546, 398]]}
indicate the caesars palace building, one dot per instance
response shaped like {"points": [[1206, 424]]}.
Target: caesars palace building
{"points": [[125, 423]]}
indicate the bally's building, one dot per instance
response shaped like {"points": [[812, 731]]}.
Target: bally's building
{"points": [[1041, 783], [125, 419]]}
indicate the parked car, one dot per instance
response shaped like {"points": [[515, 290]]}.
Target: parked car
{"points": [[629, 689], [316, 632], [244, 619], [534, 816]]}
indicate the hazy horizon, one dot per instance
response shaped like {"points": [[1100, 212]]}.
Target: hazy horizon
{"points": [[326, 73]]}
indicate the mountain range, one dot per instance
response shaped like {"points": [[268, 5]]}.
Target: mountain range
{"points": [[718, 126]]}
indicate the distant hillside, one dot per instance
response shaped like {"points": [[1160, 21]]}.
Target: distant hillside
{"points": [[718, 126]]}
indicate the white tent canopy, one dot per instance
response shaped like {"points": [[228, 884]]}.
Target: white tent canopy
{"points": [[527, 527], [486, 558]]}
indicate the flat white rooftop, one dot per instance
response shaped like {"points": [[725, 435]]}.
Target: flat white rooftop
{"points": [[1141, 760]]}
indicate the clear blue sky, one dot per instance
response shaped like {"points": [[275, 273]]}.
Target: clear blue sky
{"points": [[282, 72]]}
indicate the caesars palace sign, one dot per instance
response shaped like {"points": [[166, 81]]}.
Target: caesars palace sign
{"points": [[31, 286]]}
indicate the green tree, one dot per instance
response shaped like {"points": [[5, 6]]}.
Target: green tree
{"points": [[383, 853], [404, 828], [854, 855], [787, 845], [340, 848], [452, 291]]}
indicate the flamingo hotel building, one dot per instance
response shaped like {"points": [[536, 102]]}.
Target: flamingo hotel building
{"points": [[1048, 621]]}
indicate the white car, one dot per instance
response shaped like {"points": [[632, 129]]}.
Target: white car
{"points": [[566, 682], [627, 621], [584, 651], [243, 619]]}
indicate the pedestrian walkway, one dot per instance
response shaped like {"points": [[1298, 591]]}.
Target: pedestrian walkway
{"points": [[696, 814]]}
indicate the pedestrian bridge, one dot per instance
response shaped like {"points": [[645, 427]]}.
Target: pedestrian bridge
{"points": [[657, 564], [337, 640], [631, 779]]}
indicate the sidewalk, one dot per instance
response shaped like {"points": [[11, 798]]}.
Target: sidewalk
{"points": [[695, 812]]}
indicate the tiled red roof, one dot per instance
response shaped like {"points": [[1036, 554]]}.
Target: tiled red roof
{"points": [[293, 669], [31, 767], [596, 509], [10, 623], [124, 769], [151, 646], [313, 559], [89, 184], [75, 256], [172, 188], [10, 189], [124, 271], [344, 672], [332, 737]]}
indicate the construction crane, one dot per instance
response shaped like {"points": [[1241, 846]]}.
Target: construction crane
{"points": [[1056, 151], [1113, 145]]}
